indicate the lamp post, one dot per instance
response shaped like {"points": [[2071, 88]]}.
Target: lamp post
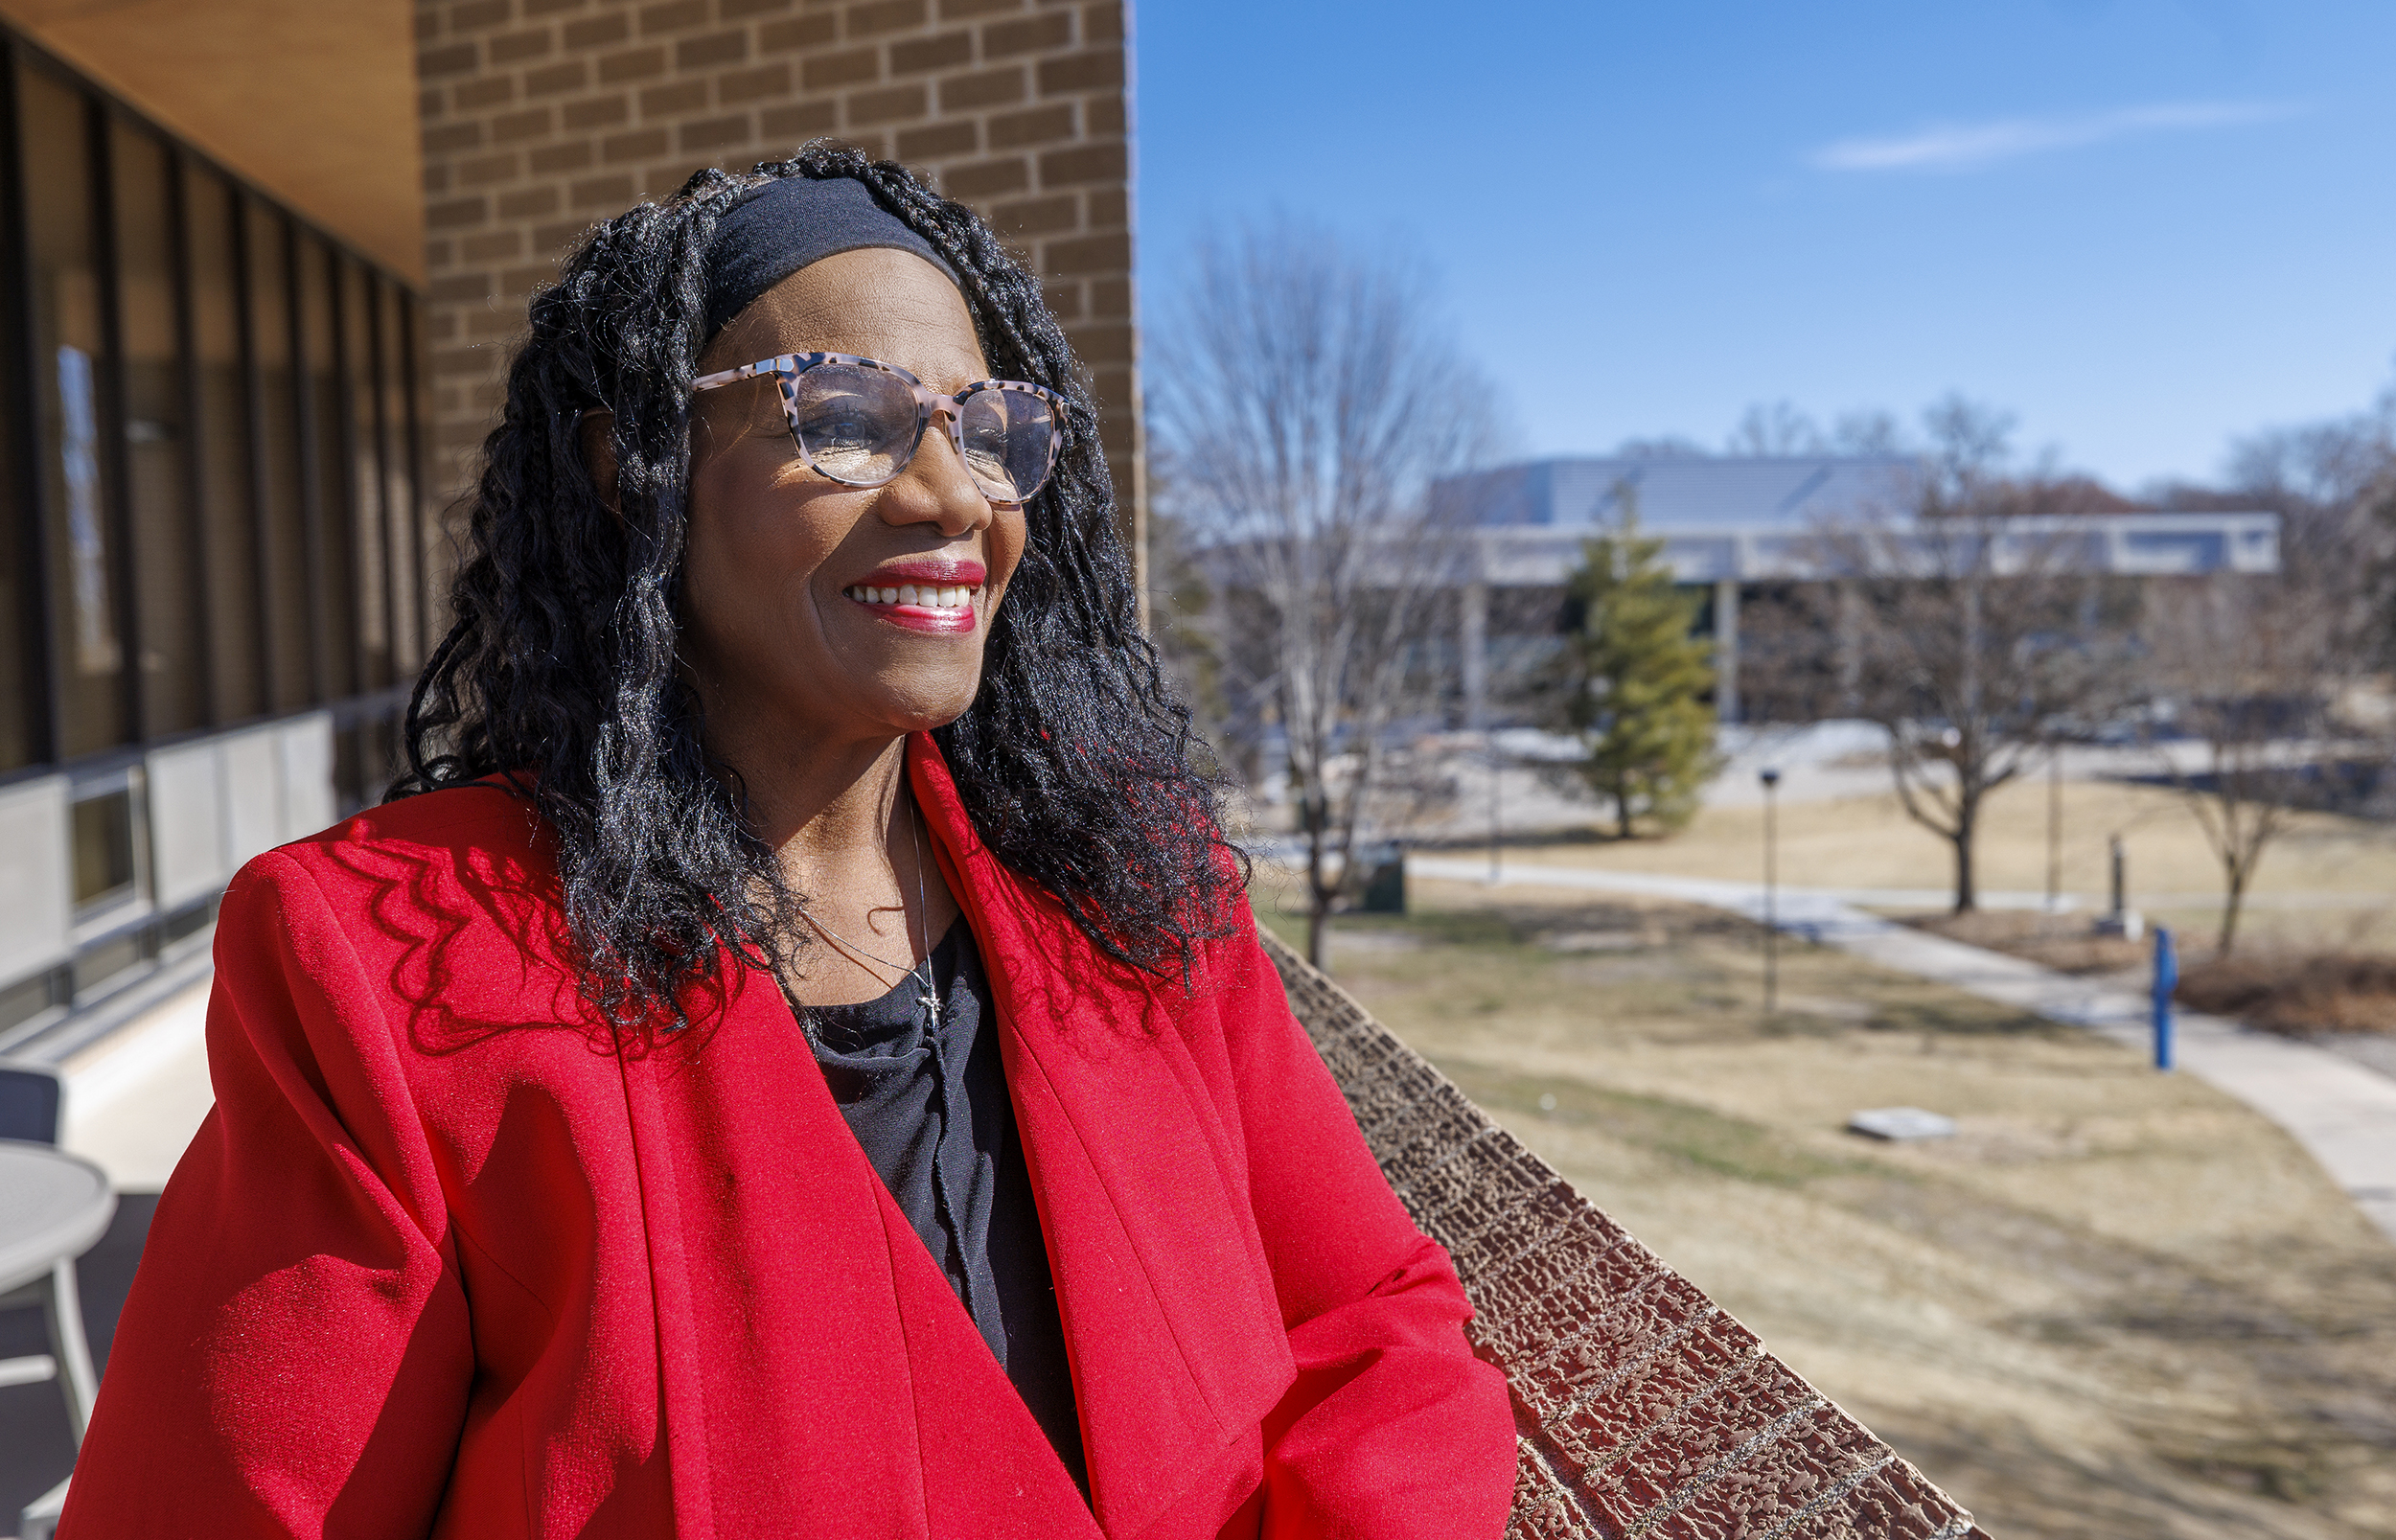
{"points": [[1771, 779]]}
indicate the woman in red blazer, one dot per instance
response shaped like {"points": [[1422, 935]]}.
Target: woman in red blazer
{"points": [[801, 1064]]}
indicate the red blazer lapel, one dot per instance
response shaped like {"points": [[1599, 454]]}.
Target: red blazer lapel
{"points": [[820, 1376], [1177, 1342]]}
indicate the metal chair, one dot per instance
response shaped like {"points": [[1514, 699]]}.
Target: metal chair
{"points": [[31, 1106], [32, 1096]]}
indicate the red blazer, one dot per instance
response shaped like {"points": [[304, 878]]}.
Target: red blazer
{"points": [[437, 1264]]}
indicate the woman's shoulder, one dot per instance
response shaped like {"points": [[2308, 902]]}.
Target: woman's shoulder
{"points": [[483, 835]]}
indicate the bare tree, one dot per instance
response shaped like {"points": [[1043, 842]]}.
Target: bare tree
{"points": [[1303, 399], [1960, 618], [2246, 667]]}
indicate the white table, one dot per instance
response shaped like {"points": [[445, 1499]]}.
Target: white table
{"points": [[54, 1207]]}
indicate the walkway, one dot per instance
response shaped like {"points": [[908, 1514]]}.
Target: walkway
{"points": [[2343, 1114]]}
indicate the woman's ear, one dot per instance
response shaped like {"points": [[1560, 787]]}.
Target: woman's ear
{"points": [[597, 429]]}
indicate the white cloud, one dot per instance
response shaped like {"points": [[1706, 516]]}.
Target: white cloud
{"points": [[1954, 146]]}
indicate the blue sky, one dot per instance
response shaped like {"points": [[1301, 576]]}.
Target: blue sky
{"points": [[2145, 227]]}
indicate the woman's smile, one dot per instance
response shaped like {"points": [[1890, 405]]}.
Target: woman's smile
{"points": [[938, 595]]}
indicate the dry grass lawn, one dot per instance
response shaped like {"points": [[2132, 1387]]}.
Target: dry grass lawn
{"points": [[2116, 1305], [2329, 883]]}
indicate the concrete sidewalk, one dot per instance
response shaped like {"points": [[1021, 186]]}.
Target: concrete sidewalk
{"points": [[2341, 1111]]}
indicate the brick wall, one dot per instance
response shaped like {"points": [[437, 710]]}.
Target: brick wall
{"points": [[543, 116]]}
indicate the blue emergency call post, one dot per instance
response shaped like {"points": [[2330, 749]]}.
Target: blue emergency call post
{"points": [[2166, 979]]}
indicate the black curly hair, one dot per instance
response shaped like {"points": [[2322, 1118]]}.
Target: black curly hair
{"points": [[1074, 761]]}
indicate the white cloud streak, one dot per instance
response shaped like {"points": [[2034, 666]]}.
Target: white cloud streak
{"points": [[1959, 147]]}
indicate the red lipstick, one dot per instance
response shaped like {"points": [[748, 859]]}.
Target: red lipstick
{"points": [[937, 595]]}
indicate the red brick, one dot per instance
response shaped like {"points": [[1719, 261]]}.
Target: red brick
{"points": [[796, 34], [890, 104], [633, 64], [1102, 23], [879, 16], [448, 138], [487, 91], [427, 26], [1032, 34], [984, 178], [484, 169], [672, 99], [438, 177], [559, 235], [598, 32], [1082, 164], [431, 105], [671, 16], [479, 15], [529, 203], [795, 124], [1097, 69], [754, 84], [714, 133], [518, 282], [570, 76], [440, 254], [939, 141], [714, 49], [552, 160], [858, 66], [610, 192], [1106, 207], [916, 55], [598, 111], [641, 144], [1102, 115], [452, 59], [1111, 298], [740, 10], [490, 326], [516, 46], [1036, 126], [960, 9], [987, 89], [1098, 342], [1037, 216], [492, 245], [454, 288], [1062, 297], [530, 123], [550, 8], [1086, 254], [457, 213]]}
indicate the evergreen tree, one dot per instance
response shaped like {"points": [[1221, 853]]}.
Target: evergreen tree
{"points": [[1636, 680]]}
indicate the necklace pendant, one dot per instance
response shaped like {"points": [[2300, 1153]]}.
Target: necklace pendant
{"points": [[929, 1001]]}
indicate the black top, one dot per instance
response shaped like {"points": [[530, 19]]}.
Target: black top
{"points": [[931, 1114]]}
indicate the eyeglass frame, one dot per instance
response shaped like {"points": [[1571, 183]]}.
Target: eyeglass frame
{"points": [[787, 368]]}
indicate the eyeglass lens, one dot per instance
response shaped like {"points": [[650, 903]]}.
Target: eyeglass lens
{"points": [[857, 425]]}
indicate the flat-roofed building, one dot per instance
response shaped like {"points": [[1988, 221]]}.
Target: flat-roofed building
{"points": [[1733, 523]]}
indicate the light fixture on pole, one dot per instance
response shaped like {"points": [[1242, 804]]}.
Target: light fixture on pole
{"points": [[1771, 779]]}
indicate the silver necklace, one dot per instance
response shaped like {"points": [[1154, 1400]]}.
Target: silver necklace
{"points": [[929, 983]]}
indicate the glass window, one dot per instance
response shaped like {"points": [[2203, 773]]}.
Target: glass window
{"points": [[290, 641], [219, 408], [64, 280], [367, 540], [394, 323], [326, 419], [165, 548], [104, 848]]}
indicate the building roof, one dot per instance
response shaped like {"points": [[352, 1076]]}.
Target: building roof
{"points": [[1749, 519], [1789, 492]]}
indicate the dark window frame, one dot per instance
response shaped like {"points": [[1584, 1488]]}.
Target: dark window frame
{"points": [[400, 429]]}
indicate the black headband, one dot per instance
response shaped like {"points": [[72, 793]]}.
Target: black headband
{"points": [[773, 231]]}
